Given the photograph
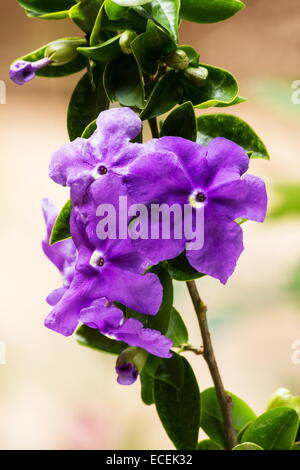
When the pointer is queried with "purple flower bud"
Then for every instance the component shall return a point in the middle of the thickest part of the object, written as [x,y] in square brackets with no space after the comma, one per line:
[127,373]
[23,71]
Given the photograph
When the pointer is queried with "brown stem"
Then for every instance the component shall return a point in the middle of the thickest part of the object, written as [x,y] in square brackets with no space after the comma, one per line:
[154,127]
[209,356]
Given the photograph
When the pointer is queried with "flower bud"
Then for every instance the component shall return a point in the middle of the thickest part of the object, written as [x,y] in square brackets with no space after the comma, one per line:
[125,41]
[178,60]
[63,51]
[196,75]
[23,71]
[129,363]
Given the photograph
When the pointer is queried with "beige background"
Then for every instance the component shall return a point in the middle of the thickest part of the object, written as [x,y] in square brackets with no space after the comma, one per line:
[55,394]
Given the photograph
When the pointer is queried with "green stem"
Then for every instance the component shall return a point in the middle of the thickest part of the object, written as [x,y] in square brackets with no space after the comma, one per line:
[224,400]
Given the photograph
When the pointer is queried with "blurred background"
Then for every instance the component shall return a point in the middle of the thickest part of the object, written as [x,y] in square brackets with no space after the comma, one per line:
[55,394]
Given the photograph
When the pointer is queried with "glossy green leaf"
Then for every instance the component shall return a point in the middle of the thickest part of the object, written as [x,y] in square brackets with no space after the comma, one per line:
[58,15]
[105,52]
[84,14]
[113,10]
[147,384]
[61,227]
[131,3]
[233,128]
[46,6]
[163,97]
[219,88]
[179,410]
[166,13]
[180,269]
[237,100]
[161,320]
[296,446]
[89,130]
[274,430]
[212,420]
[177,330]
[150,46]
[56,71]
[208,444]
[209,11]
[123,82]
[181,122]
[91,338]
[247,446]
[85,105]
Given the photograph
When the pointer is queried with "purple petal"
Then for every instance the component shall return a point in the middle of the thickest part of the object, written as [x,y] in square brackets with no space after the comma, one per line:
[55,296]
[21,72]
[127,374]
[102,315]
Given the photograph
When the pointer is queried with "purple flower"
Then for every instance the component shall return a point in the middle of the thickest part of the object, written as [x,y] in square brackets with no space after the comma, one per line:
[108,151]
[127,373]
[184,172]
[63,254]
[23,71]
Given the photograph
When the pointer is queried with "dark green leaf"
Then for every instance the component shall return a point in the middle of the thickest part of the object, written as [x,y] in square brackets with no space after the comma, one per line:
[91,338]
[233,128]
[105,52]
[74,66]
[147,383]
[274,430]
[166,13]
[46,6]
[114,11]
[84,14]
[85,105]
[181,122]
[177,330]
[220,87]
[212,420]
[247,446]
[208,444]
[180,269]
[150,46]
[179,410]
[171,371]
[61,228]
[161,320]
[123,82]
[209,11]
[163,97]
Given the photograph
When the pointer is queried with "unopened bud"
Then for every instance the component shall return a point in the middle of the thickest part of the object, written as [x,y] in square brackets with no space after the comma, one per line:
[196,75]
[125,41]
[129,363]
[178,60]
[63,51]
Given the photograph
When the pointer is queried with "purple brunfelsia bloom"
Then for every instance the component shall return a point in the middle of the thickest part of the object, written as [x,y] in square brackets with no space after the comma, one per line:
[127,373]
[184,172]
[23,71]
[108,151]
[110,320]
[63,254]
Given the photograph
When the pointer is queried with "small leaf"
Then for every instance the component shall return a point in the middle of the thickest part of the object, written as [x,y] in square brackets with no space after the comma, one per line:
[147,383]
[233,128]
[123,82]
[84,14]
[91,338]
[212,420]
[166,13]
[46,6]
[163,97]
[177,330]
[274,430]
[180,269]
[179,410]
[61,227]
[237,100]
[86,104]
[161,320]
[104,52]
[247,446]
[208,444]
[209,11]
[181,122]
[58,15]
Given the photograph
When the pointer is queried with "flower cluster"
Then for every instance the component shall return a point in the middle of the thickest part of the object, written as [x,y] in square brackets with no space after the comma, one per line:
[100,274]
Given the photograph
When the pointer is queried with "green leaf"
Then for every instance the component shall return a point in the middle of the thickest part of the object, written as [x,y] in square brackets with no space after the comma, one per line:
[58,15]
[283,397]
[84,14]
[46,6]
[91,338]
[113,11]
[237,100]
[274,430]
[163,97]
[55,71]
[131,3]
[212,420]
[150,46]
[287,202]
[181,122]
[105,52]
[166,13]
[209,11]
[177,330]
[179,410]
[85,105]
[147,383]
[296,446]
[170,371]
[123,82]
[233,128]
[89,130]
[220,88]
[208,444]
[180,269]
[161,320]
[61,227]
[247,446]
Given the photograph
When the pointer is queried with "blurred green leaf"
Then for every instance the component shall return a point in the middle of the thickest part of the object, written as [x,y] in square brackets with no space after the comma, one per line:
[104,52]
[84,14]
[288,196]
[89,130]
[46,6]
[91,338]
[113,11]
[61,227]
[180,269]
[181,122]
[247,446]
[283,397]
[233,128]
[209,11]
[208,444]
[58,15]
[237,100]
[177,330]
